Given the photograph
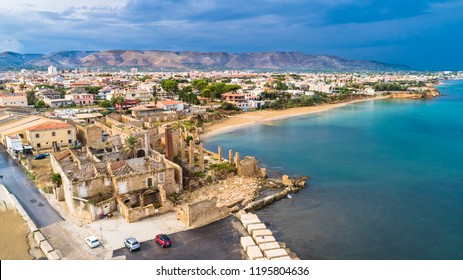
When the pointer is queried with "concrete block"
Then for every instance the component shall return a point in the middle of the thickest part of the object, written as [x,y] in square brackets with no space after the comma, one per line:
[46,247]
[53,256]
[264,239]
[246,241]
[253,227]
[261,259]
[30,224]
[271,254]
[38,236]
[269,246]
[254,252]
[285,258]
[248,216]
[261,232]
[250,222]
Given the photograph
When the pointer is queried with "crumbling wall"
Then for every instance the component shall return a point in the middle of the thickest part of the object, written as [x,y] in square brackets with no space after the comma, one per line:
[248,168]
[202,213]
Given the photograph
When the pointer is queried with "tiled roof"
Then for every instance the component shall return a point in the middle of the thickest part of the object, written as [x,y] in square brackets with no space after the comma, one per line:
[50,126]
[169,102]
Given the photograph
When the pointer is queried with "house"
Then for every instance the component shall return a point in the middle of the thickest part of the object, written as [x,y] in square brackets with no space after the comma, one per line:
[15,100]
[51,135]
[80,98]
[234,97]
[170,105]
[19,127]
[137,187]
[48,94]
[58,102]
[14,143]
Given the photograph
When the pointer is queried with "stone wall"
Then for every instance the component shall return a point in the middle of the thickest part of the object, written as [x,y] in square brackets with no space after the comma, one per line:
[138,213]
[248,168]
[202,213]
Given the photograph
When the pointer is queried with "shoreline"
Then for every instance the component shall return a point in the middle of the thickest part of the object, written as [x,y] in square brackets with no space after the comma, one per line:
[259,117]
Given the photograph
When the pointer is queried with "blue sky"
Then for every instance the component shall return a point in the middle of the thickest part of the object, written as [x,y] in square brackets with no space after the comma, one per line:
[423,34]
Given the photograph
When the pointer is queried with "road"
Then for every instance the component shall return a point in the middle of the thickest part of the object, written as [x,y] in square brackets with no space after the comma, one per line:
[19,184]
[217,241]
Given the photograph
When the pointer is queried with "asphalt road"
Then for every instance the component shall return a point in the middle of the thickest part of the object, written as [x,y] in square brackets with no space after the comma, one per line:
[19,184]
[217,241]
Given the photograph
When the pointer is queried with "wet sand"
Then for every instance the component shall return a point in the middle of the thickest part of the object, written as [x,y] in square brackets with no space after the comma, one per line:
[14,243]
[257,117]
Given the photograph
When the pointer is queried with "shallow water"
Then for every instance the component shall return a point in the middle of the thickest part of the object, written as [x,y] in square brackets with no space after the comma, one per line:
[386,178]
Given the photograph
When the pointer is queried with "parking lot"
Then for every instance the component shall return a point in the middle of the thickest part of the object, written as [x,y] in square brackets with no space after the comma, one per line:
[216,241]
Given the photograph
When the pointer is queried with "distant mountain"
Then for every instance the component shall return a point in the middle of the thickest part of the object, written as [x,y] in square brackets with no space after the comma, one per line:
[193,60]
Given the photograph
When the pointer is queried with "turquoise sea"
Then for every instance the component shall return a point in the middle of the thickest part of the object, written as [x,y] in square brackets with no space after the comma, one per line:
[386,178]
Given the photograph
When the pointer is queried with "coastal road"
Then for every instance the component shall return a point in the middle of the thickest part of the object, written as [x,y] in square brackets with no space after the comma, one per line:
[19,184]
[217,241]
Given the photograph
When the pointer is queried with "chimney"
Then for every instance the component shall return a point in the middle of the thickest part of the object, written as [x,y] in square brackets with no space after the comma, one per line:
[169,144]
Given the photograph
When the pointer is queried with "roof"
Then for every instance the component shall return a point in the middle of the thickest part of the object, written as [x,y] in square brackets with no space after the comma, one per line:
[169,102]
[50,126]
[233,94]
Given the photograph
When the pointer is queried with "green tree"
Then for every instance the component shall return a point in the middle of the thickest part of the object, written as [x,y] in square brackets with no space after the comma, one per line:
[170,87]
[93,89]
[106,104]
[117,100]
[39,104]
[31,98]
[129,150]
[199,85]
[56,179]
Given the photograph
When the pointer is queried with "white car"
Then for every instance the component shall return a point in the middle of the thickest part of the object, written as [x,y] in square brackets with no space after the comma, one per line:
[92,241]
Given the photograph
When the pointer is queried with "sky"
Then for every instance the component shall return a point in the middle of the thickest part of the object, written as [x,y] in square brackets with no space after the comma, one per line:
[426,35]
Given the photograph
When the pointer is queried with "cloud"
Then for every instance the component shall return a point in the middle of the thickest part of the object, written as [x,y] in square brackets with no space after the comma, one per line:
[11,45]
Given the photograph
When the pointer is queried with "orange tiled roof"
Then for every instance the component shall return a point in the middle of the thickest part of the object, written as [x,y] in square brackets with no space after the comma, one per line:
[49,126]
[169,102]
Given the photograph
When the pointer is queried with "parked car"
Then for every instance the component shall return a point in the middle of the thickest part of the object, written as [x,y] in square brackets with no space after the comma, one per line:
[163,240]
[92,241]
[41,156]
[131,243]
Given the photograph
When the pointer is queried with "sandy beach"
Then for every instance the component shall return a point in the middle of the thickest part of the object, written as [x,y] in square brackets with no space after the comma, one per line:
[257,117]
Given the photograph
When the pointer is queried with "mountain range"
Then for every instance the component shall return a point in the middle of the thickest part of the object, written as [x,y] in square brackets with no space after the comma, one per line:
[187,60]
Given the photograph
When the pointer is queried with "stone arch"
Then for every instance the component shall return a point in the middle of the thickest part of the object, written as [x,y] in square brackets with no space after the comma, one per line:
[141,153]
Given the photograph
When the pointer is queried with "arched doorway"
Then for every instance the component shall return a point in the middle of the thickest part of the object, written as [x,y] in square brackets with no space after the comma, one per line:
[141,153]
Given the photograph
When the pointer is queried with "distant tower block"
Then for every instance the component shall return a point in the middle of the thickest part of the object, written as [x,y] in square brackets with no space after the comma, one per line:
[201,157]
[237,159]
[230,157]
[169,144]
[192,155]
[220,153]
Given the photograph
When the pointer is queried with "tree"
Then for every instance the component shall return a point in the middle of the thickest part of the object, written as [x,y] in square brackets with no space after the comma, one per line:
[170,87]
[93,89]
[31,98]
[39,104]
[117,100]
[56,179]
[199,85]
[105,104]
[129,150]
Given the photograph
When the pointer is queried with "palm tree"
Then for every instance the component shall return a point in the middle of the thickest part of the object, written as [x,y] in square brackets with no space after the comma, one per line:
[130,147]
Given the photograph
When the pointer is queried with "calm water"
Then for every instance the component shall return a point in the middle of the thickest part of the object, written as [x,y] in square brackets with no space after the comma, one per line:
[386,178]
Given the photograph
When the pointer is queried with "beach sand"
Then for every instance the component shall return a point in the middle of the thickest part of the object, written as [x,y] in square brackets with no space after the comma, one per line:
[14,233]
[257,117]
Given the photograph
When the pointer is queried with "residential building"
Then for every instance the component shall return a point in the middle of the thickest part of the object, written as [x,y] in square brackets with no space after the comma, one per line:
[170,105]
[80,98]
[15,100]
[52,70]
[51,135]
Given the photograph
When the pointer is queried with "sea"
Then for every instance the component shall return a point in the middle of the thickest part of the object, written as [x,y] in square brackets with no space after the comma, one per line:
[386,178]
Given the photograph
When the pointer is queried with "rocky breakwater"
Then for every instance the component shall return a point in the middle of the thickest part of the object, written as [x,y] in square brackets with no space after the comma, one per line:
[418,93]
[288,186]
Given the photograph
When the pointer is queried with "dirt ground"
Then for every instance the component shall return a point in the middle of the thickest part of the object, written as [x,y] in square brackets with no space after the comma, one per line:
[227,191]
[16,242]
[42,171]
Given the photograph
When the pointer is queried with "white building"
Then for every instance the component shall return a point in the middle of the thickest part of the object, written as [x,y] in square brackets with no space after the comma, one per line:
[52,70]
[14,143]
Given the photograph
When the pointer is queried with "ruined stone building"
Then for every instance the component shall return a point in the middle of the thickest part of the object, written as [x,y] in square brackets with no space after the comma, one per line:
[94,185]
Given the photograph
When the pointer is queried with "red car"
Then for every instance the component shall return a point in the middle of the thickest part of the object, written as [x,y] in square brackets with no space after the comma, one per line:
[163,240]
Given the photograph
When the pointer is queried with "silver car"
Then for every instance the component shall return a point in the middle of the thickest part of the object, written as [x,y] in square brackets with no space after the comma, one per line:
[132,244]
